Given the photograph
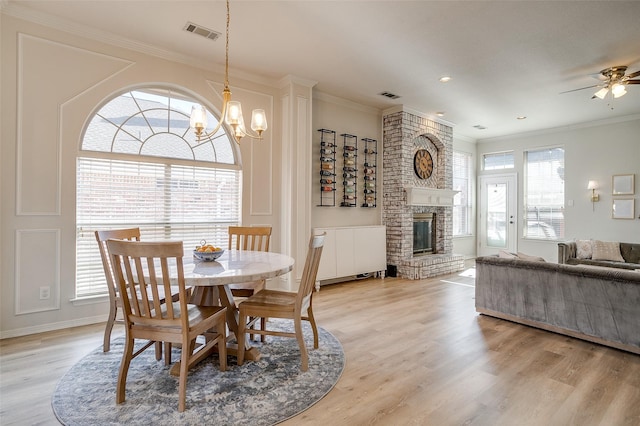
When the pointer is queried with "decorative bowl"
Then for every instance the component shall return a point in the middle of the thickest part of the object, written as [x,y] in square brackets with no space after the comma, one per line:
[207,256]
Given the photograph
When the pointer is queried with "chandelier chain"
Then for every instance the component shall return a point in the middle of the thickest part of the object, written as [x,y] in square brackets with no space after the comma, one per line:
[226,52]
[231,110]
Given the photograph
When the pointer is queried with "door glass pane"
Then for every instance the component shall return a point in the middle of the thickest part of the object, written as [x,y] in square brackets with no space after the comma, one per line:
[497,215]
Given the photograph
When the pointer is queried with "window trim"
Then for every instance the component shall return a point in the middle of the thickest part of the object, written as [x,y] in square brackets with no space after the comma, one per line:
[149,115]
[484,157]
[525,204]
[469,205]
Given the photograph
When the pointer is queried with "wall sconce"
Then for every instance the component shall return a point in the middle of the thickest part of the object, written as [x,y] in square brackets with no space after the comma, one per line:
[593,185]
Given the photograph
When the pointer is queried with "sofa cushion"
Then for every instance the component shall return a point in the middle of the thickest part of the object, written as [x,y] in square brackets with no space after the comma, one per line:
[506,255]
[630,252]
[584,249]
[603,250]
[523,256]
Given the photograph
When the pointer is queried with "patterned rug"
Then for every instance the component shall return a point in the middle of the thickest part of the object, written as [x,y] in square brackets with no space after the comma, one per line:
[265,392]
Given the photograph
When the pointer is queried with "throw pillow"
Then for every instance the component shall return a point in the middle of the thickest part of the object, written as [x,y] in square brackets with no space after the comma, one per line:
[506,255]
[523,256]
[584,249]
[603,250]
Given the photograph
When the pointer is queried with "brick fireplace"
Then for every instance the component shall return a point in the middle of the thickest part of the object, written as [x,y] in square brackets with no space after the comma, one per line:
[405,195]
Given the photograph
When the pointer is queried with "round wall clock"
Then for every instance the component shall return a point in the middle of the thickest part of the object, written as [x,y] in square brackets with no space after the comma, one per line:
[423,163]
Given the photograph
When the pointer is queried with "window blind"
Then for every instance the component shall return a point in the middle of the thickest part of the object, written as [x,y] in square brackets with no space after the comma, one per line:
[167,202]
[498,161]
[462,200]
[544,193]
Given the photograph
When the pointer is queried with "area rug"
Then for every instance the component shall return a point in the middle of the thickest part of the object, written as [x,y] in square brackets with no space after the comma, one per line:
[265,392]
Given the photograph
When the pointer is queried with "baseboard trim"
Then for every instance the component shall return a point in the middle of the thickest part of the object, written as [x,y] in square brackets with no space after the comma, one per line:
[51,327]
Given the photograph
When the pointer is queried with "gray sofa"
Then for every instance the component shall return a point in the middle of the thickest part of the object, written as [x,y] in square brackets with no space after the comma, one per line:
[567,253]
[601,305]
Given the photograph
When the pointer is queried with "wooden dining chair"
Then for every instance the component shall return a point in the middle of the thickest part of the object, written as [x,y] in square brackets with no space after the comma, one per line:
[145,268]
[282,304]
[130,234]
[255,238]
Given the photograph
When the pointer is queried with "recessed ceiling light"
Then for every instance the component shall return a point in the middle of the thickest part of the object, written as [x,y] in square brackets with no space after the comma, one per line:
[521,117]
[440,114]
[445,79]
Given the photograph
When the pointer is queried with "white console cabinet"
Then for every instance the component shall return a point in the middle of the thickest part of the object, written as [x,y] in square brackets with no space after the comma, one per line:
[350,251]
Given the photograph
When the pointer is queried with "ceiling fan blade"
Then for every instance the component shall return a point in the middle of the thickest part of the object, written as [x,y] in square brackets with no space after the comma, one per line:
[632,82]
[634,74]
[582,88]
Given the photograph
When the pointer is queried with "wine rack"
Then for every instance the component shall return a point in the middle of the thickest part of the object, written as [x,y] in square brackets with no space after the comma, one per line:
[327,168]
[349,170]
[370,172]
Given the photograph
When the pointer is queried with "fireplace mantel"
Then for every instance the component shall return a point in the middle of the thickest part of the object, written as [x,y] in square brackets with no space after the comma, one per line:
[430,197]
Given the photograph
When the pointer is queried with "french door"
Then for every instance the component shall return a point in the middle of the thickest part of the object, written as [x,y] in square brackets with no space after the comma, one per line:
[498,214]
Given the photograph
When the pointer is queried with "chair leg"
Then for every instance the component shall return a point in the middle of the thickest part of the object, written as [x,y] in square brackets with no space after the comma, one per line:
[304,357]
[158,349]
[222,344]
[312,320]
[124,369]
[251,335]
[167,353]
[263,326]
[113,310]
[242,329]
[184,369]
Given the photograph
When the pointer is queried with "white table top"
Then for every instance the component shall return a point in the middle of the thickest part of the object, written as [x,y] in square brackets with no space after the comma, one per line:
[235,266]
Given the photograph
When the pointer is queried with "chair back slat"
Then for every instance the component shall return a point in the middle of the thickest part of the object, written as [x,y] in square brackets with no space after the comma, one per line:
[140,268]
[254,238]
[132,234]
[310,271]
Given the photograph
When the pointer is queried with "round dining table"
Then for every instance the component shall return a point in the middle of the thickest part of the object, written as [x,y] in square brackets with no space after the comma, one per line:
[210,281]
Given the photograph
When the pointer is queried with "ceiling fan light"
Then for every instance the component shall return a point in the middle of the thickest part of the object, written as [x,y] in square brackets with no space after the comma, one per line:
[601,93]
[618,90]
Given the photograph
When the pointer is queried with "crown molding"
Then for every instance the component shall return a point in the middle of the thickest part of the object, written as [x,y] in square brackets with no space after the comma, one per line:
[322,96]
[576,126]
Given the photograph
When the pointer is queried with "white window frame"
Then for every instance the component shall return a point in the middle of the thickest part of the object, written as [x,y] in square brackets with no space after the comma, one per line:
[462,200]
[504,155]
[544,193]
[121,187]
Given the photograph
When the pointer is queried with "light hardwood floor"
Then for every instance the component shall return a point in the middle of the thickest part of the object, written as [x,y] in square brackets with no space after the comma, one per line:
[416,354]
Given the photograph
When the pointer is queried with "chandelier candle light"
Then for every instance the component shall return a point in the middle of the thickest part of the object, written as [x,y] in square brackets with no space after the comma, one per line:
[231,110]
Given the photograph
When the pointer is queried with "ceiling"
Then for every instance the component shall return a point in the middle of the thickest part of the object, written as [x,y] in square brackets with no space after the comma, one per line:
[505,58]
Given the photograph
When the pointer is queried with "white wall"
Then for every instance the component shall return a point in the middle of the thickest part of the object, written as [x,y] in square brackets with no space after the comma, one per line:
[52,81]
[592,152]
[344,116]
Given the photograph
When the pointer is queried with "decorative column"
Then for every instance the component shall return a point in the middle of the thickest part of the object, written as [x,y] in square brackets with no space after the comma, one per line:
[296,178]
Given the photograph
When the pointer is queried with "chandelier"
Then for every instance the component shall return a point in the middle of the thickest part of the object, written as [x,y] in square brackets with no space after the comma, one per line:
[231,110]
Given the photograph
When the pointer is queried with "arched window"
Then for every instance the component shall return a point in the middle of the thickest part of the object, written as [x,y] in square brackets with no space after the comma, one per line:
[141,166]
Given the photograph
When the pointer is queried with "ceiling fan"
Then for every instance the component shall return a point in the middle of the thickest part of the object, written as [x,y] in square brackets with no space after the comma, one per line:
[613,79]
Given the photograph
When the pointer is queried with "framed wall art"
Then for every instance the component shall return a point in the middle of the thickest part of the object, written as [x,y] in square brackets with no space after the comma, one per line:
[623,184]
[623,208]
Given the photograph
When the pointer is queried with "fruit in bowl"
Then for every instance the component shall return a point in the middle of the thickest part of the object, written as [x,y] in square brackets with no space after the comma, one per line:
[207,248]
[207,252]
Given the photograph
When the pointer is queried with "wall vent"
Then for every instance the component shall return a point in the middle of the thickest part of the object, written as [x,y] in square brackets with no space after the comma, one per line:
[389,95]
[202,31]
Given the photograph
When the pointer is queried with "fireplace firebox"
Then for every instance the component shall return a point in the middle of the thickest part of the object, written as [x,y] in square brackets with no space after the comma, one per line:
[424,233]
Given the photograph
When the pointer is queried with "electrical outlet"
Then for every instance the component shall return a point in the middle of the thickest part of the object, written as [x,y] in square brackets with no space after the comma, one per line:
[45,292]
